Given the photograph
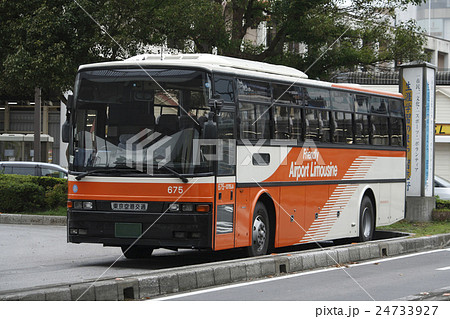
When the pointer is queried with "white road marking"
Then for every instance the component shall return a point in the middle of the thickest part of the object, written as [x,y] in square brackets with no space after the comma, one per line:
[444,268]
[377,261]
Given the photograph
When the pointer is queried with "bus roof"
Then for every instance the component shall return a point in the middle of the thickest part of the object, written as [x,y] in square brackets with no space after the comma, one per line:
[232,65]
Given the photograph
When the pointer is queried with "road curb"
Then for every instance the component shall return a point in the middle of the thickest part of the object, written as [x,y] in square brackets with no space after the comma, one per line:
[33,219]
[167,281]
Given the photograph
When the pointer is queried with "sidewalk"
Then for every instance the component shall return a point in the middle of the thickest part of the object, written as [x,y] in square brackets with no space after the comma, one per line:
[32,219]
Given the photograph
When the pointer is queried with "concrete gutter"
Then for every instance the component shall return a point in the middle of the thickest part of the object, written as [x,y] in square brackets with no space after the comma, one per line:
[183,279]
[32,219]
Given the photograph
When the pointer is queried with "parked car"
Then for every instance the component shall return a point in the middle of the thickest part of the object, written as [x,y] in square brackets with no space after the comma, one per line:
[441,188]
[33,168]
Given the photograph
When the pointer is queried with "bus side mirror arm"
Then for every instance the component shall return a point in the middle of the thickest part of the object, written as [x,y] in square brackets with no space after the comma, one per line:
[215,103]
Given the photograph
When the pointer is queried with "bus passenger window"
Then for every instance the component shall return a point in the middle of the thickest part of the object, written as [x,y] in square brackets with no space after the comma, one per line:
[317,125]
[396,131]
[380,131]
[317,97]
[262,121]
[343,128]
[361,104]
[312,125]
[361,129]
[282,122]
[247,116]
[378,105]
[295,118]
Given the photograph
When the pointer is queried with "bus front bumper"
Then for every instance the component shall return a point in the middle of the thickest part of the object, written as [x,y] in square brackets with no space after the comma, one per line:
[168,230]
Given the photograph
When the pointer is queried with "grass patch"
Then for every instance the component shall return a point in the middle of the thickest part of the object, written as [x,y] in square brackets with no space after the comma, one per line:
[420,228]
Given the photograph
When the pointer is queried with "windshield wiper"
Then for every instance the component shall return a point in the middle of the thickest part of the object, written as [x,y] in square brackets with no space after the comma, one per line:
[184,179]
[106,171]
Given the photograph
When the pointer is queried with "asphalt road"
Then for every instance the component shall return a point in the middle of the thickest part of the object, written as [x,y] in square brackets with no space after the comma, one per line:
[380,280]
[36,256]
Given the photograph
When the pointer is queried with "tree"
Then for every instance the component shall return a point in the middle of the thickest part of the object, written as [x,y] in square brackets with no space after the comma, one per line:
[44,41]
[336,36]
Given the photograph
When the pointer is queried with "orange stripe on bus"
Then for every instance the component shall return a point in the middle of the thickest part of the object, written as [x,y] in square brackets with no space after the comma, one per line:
[141,191]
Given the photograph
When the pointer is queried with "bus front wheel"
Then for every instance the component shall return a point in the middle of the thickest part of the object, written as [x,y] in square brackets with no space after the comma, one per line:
[366,220]
[260,231]
[137,252]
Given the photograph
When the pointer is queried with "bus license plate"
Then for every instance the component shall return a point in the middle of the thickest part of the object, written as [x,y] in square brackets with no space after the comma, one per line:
[127,230]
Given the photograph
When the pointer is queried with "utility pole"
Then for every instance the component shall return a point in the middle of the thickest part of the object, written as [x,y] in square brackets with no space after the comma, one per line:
[37,124]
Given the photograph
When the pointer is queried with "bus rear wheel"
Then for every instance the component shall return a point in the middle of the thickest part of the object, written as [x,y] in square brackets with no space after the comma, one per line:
[366,220]
[137,252]
[260,232]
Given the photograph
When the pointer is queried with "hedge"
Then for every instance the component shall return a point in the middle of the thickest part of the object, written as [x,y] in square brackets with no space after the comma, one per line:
[442,204]
[20,193]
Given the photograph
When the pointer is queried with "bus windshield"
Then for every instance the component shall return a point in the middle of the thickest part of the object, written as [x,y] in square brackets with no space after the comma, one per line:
[145,121]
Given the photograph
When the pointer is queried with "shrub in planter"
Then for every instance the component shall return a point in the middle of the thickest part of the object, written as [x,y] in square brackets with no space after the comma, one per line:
[21,193]
[57,196]
[442,211]
[18,196]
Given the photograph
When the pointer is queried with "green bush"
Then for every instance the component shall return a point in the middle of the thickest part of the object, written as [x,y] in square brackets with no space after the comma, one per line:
[57,196]
[19,193]
[442,204]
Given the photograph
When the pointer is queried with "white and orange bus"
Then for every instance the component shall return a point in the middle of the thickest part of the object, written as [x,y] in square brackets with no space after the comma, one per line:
[210,152]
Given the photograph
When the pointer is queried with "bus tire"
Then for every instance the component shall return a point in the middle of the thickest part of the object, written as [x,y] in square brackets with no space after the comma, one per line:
[260,231]
[137,252]
[366,220]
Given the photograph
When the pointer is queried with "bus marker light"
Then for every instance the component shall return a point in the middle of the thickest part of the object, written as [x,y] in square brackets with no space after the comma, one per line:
[187,207]
[88,205]
[78,205]
[202,208]
[69,204]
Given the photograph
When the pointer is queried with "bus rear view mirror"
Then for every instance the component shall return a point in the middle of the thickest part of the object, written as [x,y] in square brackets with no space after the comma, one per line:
[210,127]
[65,130]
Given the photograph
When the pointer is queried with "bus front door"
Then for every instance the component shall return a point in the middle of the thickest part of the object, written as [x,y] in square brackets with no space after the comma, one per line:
[225,213]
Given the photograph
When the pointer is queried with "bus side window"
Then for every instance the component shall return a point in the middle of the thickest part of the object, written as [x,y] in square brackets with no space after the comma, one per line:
[224,87]
[361,129]
[343,128]
[317,125]
[380,130]
[324,126]
[247,117]
[396,127]
[295,118]
[282,122]
[255,121]
[312,125]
